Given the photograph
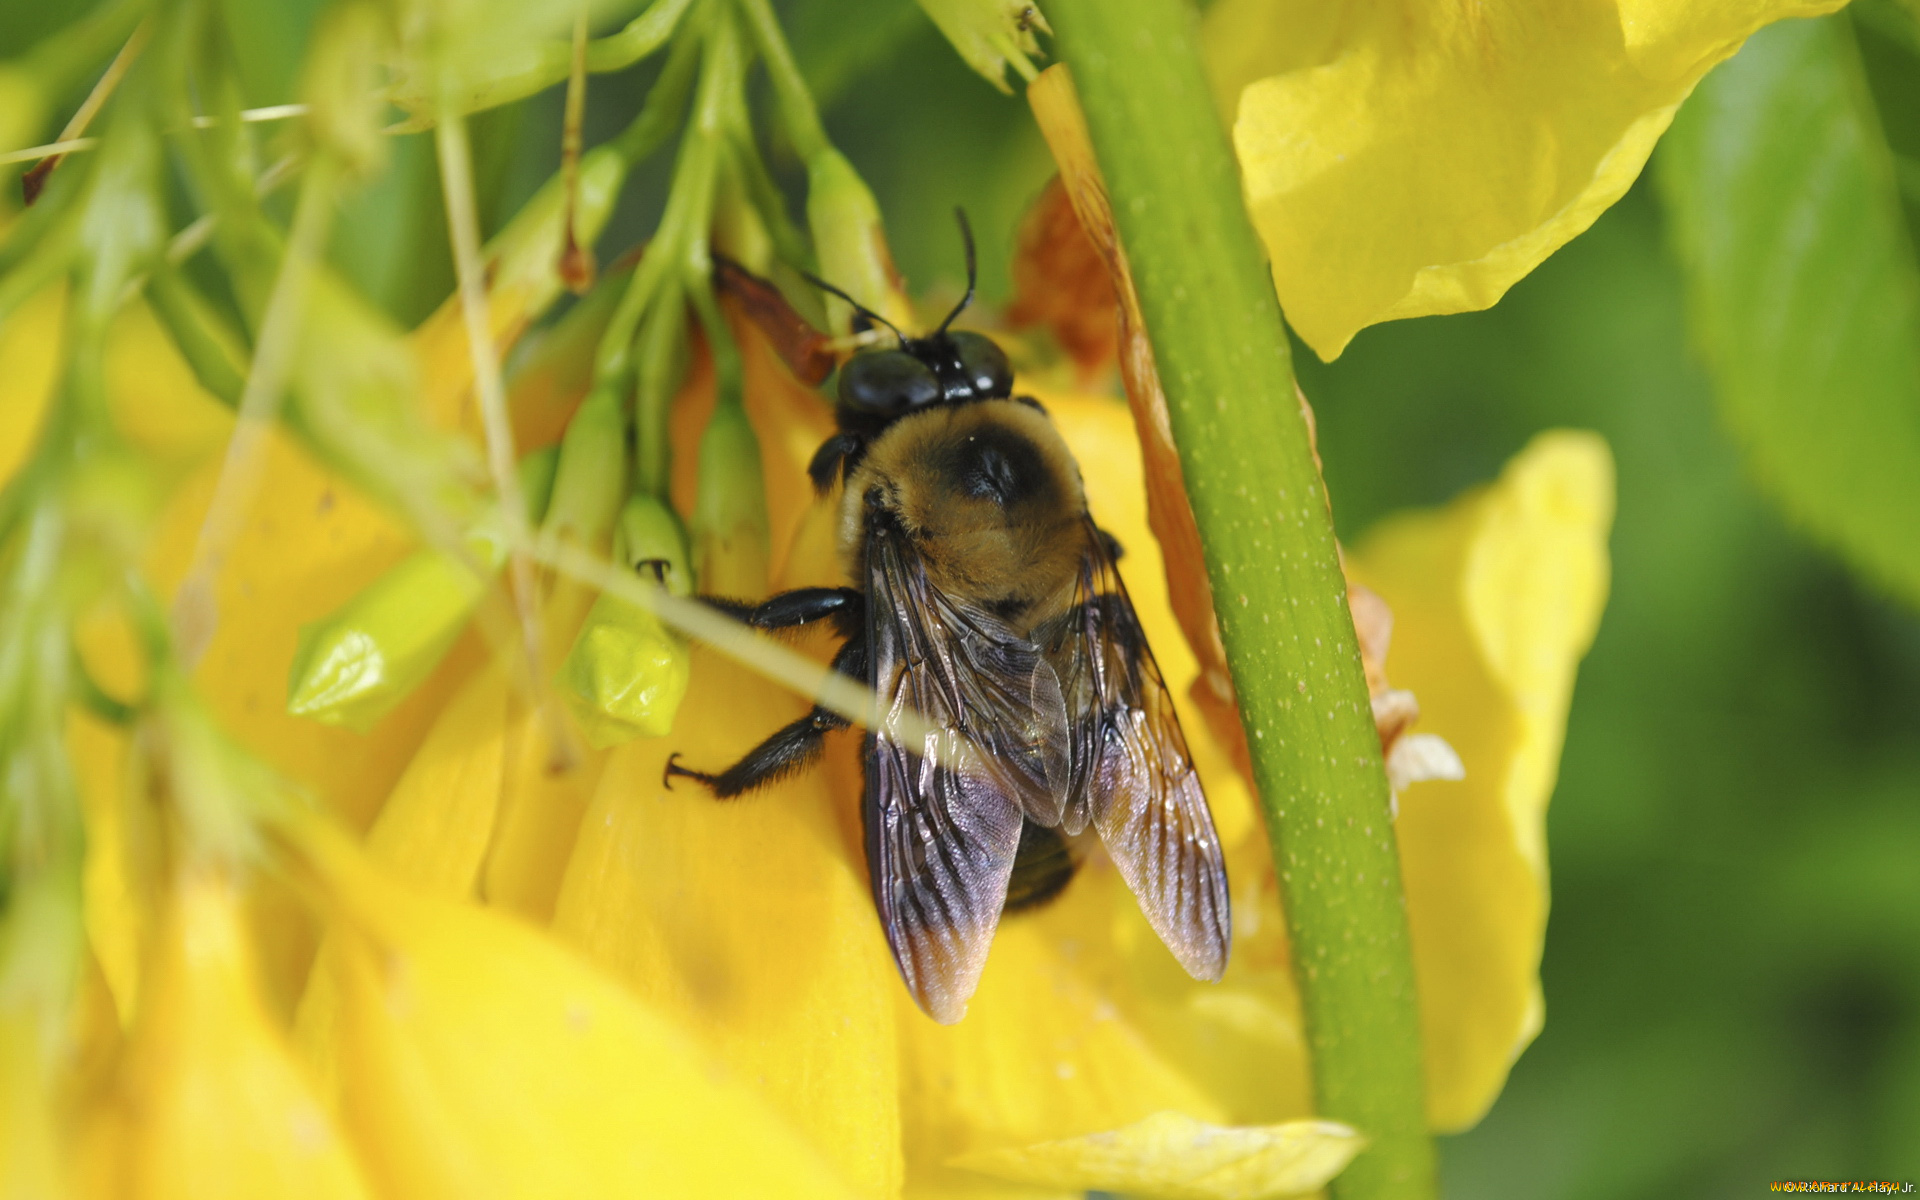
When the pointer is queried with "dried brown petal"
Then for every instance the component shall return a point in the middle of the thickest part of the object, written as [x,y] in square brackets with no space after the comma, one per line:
[1061,281]
[805,350]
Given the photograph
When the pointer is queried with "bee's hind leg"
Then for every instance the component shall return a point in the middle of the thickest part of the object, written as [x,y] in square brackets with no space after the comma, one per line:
[801,606]
[791,747]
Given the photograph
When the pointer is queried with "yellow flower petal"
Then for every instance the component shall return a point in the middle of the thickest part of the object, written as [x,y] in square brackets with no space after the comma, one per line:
[434,829]
[747,922]
[309,542]
[1039,1057]
[1404,158]
[30,1161]
[1496,598]
[433,832]
[157,402]
[1174,1156]
[210,1103]
[541,807]
[480,1060]
[151,391]
[116,877]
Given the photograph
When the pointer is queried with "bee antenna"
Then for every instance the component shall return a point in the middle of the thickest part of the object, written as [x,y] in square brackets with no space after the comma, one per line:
[858,307]
[966,238]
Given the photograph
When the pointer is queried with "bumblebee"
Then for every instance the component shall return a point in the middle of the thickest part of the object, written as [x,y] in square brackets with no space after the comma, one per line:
[986,601]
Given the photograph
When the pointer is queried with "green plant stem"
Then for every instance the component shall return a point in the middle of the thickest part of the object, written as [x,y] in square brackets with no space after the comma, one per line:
[642,36]
[676,259]
[797,109]
[1278,589]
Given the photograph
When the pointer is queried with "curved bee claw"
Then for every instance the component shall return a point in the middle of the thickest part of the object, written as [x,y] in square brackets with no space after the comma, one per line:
[674,768]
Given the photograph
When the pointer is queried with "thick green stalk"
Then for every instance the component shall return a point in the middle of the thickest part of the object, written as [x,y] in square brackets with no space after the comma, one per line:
[1222,355]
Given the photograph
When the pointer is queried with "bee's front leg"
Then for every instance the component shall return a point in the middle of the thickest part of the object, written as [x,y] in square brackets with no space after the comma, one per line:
[791,747]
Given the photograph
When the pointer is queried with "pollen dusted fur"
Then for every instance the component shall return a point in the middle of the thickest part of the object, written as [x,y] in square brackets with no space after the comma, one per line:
[990,496]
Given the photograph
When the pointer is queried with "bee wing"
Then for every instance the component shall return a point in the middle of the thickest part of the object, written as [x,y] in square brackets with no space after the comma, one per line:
[943,811]
[1132,777]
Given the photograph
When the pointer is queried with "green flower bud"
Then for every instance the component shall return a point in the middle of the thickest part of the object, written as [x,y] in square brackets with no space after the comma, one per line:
[627,673]
[551,368]
[523,258]
[649,538]
[356,664]
[991,35]
[661,356]
[592,473]
[537,472]
[352,667]
[852,245]
[730,510]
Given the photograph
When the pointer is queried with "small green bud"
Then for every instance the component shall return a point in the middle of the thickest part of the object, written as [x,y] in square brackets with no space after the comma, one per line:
[551,368]
[627,673]
[649,538]
[661,353]
[991,35]
[730,509]
[592,473]
[356,664]
[523,258]
[537,472]
[353,666]
[625,676]
[845,220]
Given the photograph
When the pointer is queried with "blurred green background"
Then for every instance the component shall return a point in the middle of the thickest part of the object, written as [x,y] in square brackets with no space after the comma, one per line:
[1732,967]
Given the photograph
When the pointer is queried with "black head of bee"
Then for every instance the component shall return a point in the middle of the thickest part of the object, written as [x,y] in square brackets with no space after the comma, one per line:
[945,367]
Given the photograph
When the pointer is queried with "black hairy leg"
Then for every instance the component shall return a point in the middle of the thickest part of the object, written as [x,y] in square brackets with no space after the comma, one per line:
[801,606]
[792,746]
[835,457]
[1043,866]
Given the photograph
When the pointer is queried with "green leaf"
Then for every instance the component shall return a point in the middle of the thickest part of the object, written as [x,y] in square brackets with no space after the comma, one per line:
[1783,192]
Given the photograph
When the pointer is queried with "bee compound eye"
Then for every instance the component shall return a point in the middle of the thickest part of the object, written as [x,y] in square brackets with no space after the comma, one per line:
[985,364]
[886,381]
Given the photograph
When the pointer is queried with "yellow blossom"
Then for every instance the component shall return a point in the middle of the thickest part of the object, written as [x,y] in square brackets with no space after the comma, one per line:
[478,1058]
[749,921]
[749,1034]
[210,1101]
[1403,158]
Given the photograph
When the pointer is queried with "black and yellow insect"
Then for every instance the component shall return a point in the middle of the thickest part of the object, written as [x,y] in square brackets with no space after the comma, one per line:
[985,600]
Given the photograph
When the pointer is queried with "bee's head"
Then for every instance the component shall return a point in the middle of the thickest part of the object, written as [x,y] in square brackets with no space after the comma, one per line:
[945,367]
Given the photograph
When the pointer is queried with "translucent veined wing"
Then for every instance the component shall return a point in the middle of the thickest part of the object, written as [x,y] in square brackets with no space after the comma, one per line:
[1131,777]
[943,811]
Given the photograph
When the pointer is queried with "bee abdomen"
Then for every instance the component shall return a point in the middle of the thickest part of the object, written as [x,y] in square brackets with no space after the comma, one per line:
[1043,866]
